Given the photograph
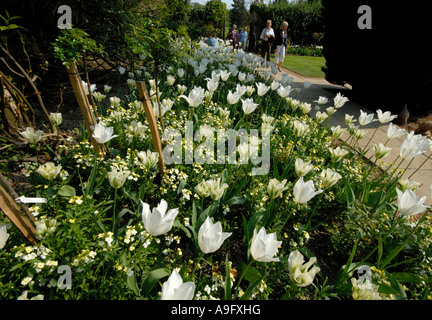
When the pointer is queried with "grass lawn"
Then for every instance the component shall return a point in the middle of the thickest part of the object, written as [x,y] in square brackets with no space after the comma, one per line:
[303,65]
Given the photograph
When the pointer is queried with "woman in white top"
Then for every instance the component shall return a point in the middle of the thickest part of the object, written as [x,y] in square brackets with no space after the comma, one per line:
[267,36]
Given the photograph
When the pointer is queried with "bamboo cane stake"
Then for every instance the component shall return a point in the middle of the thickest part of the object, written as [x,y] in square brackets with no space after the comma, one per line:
[142,90]
[12,211]
[82,100]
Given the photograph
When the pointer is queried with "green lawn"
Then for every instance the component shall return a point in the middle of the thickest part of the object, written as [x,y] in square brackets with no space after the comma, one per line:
[303,65]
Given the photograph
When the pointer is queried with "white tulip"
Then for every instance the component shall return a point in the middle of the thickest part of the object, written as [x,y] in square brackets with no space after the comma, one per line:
[321,116]
[196,97]
[216,189]
[114,102]
[117,177]
[338,131]
[175,289]
[302,168]
[262,88]
[49,170]
[180,73]
[307,84]
[409,204]
[248,105]
[299,128]
[365,290]
[329,177]
[264,246]
[233,98]
[321,100]
[181,89]
[211,237]
[158,221]
[56,118]
[103,134]
[304,191]
[241,90]
[85,85]
[148,159]
[4,235]
[365,119]
[305,107]
[385,117]
[337,154]
[381,151]
[339,100]
[276,187]
[299,271]
[275,85]
[284,92]
[412,147]
[31,135]
[170,80]
[224,75]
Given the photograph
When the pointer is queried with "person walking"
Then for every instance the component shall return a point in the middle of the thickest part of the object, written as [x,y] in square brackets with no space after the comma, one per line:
[267,37]
[243,38]
[232,35]
[281,44]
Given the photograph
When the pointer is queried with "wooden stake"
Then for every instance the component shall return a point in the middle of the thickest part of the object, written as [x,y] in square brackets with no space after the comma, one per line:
[157,144]
[82,100]
[12,211]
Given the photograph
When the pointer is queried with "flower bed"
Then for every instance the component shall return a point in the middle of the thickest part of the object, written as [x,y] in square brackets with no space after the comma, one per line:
[258,201]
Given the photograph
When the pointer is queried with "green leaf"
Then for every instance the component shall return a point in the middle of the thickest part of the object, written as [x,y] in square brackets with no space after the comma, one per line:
[407,277]
[235,200]
[152,278]
[182,227]
[181,186]
[227,286]
[132,284]
[67,191]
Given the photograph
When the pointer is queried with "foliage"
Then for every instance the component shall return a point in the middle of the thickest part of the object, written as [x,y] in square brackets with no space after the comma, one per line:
[73,44]
[215,14]
[95,227]
[311,51]
[239,15]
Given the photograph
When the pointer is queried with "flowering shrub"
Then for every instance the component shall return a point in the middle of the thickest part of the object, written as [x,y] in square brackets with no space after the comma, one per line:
[220,225]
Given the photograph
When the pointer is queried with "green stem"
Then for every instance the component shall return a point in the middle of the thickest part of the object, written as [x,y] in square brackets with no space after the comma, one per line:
[241,277]
[114,219]
[420,166]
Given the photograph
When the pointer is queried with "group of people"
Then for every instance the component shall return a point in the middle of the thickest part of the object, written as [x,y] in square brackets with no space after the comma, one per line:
[238,38]
[272,42]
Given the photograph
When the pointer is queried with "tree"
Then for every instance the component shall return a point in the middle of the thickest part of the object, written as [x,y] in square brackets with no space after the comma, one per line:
[239,15]
[215,15]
